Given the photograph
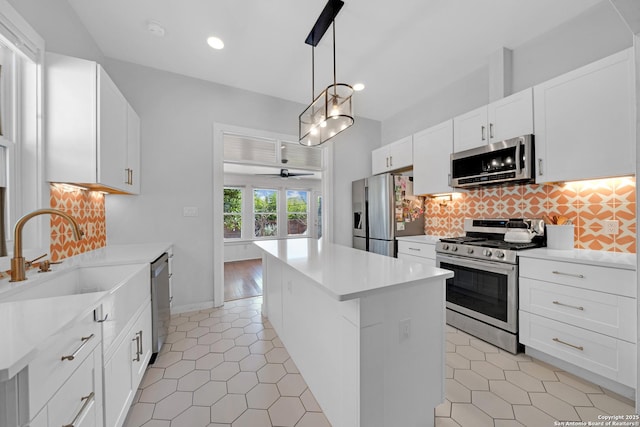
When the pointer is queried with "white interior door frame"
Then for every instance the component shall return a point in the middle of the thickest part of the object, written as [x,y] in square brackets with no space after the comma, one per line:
[217,162]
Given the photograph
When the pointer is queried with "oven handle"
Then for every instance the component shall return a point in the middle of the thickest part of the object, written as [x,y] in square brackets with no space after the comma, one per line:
[491,266]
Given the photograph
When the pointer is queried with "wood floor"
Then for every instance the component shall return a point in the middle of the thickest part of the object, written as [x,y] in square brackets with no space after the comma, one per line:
[242,279]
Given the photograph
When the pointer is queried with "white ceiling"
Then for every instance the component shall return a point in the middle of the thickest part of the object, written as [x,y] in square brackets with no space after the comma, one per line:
[403,51]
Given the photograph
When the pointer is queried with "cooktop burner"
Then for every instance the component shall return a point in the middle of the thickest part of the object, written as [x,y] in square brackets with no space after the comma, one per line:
[500,244]
[463,239]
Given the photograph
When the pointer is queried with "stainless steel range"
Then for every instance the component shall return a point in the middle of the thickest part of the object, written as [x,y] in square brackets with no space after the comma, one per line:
[482,297]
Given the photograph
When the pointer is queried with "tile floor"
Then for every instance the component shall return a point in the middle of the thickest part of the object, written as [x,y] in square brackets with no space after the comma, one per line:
[226,367]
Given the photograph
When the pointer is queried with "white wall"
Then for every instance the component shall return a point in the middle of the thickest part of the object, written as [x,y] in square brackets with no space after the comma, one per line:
[596,33]
[177,115]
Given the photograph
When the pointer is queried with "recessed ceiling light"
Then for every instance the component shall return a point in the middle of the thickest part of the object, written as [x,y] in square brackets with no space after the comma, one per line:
[155,28]
[358,87]
[215,43]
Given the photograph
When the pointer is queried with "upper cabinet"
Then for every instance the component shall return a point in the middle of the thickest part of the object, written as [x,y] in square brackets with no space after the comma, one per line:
[585,121]
[432,149]
[93,134]
[394,156]
[506,118]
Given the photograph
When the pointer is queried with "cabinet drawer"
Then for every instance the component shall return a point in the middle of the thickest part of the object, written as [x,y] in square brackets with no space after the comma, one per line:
[49,370]
[78,399]
[603,355]
[423,250]
[607,314]
[604,279]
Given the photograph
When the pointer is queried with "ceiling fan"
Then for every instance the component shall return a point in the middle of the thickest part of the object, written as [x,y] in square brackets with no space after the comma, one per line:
[284,173]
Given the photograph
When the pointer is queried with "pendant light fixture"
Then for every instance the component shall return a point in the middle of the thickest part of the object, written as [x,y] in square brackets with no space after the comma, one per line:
[331,112]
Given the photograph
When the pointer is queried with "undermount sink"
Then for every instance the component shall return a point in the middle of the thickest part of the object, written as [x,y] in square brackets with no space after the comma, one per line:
[81,280]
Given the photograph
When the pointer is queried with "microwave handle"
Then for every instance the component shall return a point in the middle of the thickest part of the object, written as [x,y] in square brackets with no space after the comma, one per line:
[518,168]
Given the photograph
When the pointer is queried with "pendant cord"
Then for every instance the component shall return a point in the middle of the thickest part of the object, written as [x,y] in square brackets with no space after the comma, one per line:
[334,57]
[313,69]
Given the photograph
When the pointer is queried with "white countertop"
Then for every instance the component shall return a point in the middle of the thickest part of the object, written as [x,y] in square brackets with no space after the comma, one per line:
[347,273]
[422,238]
[26,324]
[582,256]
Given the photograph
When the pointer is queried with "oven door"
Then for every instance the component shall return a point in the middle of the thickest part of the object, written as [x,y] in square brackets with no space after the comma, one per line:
[484,290]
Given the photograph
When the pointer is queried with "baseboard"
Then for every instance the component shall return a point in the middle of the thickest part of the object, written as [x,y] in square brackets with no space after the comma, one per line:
[178,309]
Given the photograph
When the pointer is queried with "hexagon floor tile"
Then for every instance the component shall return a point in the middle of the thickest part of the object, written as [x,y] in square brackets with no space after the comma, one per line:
[227,367]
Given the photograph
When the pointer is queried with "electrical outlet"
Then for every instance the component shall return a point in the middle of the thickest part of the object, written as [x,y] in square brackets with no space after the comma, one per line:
[610,226]
[190,211]
[404,330]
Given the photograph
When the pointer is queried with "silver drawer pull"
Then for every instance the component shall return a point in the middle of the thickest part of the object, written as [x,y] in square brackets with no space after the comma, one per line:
[84,340]
[579,276]
[87,401]
[103,320]
[137,340]
[567,305]
[414,249]
[579,347]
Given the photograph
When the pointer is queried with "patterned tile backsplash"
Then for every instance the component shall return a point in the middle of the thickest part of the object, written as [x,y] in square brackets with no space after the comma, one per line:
[586,203]
[88,208]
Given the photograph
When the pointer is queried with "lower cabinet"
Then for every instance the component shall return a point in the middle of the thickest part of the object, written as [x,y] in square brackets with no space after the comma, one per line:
[421,252]
[78,402]
[581,314]
[125,367]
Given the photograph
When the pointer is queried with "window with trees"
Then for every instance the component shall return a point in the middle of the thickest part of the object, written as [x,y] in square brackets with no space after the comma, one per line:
[232,213]
[265,212]
[297,212]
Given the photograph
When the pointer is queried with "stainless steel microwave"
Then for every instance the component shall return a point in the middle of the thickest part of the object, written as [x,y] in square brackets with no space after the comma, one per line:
[511,160]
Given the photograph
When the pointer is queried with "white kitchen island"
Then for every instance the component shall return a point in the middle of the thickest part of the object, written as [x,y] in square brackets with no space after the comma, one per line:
[365,330]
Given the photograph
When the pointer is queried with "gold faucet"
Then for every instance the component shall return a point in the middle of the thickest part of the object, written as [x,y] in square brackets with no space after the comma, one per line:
[18,261]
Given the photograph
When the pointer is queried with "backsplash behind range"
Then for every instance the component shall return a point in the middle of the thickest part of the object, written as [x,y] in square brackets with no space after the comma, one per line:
[586,203]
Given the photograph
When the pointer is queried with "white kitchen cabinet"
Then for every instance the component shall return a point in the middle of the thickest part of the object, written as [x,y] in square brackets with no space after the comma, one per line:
[421,252]
[581,314]
[124,369]
[132,178]
[432,150]
[89,127]
[585,121]
[506,118]
[394,156]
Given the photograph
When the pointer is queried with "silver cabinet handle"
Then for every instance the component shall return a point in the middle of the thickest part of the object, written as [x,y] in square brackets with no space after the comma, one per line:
[391,161]
[482,129]
[540,167]
[126,171]
[414,249]
[84,340]
[578,347]
[103,320]
[141,349]
[579,276]
[87,401]
[490,130]
[387,160]
[137,340]
[567,305]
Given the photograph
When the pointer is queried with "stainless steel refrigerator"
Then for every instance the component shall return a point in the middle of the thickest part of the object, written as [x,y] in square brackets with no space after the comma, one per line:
[384,208]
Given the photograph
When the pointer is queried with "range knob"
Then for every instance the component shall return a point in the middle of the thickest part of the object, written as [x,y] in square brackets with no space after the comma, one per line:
[445,246]
[500,254]
[454,248]
[486,253]
[469,251]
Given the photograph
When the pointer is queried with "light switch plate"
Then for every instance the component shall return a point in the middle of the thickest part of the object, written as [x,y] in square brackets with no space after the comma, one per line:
[189,211]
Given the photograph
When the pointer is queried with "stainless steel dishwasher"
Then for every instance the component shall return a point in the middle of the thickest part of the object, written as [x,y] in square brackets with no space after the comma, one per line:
[160,303]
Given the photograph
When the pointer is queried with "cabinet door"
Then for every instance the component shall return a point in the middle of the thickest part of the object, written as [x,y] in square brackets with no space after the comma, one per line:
[401,153]
[470,130]
[511,117]
[431,159]
[380,160]
[584,121]
[112,133]
[141,351]
[133,151]
[118,388]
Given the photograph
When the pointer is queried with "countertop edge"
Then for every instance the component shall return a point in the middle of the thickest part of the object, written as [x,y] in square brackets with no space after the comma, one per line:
[625,261]
[389,288]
